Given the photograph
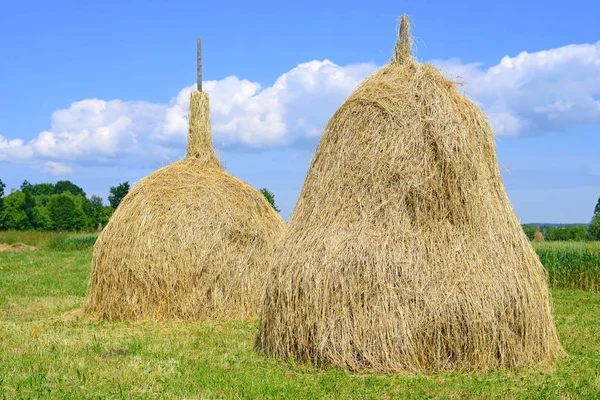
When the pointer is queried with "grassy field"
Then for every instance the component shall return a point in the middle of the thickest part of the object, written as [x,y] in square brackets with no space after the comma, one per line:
[31,238]
[571,265]
[48,351]
[50,240]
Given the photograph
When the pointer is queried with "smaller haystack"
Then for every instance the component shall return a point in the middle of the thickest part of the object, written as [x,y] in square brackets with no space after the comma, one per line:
[538,236]
[189,241]
[15,248]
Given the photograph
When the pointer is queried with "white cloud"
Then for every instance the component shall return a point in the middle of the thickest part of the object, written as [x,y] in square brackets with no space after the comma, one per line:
[55,168]
[535,93]
[243,113]
[531,93]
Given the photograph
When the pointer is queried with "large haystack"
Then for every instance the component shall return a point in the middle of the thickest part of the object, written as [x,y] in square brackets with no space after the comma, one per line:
[189,241]
[403,252]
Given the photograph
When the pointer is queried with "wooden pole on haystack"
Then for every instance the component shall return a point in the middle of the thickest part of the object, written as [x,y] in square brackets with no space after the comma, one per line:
[199,64]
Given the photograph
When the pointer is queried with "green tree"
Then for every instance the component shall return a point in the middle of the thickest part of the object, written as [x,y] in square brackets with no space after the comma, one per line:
[529,230]
[595,227]
[575,233]
[25,186]
[595,224]
[42,219]
[96,202]
[61,209]
[68,186]
[28,207]
[15,216]
[270,198]
[2,186]
[117,193]
[39,189]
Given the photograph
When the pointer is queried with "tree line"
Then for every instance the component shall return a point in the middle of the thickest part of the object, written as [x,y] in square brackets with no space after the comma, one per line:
[62,206]
[576,233]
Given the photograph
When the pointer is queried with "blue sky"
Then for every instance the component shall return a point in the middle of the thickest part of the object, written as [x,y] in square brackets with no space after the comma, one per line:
[96,92]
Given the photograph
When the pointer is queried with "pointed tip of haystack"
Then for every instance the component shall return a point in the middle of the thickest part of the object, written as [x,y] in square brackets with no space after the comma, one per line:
[402,50]
[199,135]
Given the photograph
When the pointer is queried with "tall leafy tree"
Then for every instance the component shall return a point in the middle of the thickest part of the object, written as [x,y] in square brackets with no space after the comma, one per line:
[2,186]
[96,202]
[117,193]
[68,186]
[39,189]
[28,207]
[270,198]
[25,186]
[61,209]
[15,216]
[595,224]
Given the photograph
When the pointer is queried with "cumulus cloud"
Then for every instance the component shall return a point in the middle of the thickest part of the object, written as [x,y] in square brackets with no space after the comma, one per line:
[531,93]
[535,93]
[243,113]
[55,168]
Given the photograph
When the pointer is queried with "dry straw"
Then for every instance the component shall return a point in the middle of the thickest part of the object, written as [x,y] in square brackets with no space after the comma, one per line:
[538,236]
[403,252]
[189,241]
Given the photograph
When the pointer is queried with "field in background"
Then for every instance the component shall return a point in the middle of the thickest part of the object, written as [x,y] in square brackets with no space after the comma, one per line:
[30,238]
[571,265]
[48,350]
[50,240]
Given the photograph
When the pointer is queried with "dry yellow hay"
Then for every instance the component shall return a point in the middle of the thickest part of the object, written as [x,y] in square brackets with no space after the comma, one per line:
[538,236]
[189,241]
[403,252]
[15,248]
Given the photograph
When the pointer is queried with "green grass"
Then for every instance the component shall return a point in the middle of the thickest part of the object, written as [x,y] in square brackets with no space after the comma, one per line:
[72,242]
[31,238]
[47,351]
[50,240]
[571,265]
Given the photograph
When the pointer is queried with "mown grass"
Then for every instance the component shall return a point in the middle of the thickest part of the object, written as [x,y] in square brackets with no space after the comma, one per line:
[47,351]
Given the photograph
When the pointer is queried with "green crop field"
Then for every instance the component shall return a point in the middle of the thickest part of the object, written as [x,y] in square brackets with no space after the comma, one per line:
[48,350]
[571,265]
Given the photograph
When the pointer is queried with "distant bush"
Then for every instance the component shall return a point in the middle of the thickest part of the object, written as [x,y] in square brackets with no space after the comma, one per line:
[73,242]
[529,230]
[573,233]
[566,233]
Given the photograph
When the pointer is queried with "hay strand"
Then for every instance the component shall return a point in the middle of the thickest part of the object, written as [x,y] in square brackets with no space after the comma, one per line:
[403,252]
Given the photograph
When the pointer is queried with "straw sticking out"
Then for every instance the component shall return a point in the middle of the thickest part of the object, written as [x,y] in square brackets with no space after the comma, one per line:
[199,135]
[404,44]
